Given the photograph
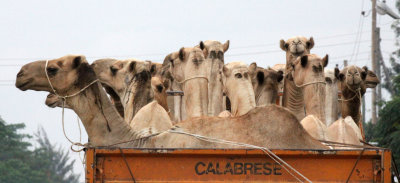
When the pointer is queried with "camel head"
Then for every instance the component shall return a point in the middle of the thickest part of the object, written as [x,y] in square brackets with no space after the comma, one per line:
[189,69]
[280,68]
[307,68]
[372,80]
[67,75]
[352,77]
[265,83]
[297,46]
[214,49]
[236,79]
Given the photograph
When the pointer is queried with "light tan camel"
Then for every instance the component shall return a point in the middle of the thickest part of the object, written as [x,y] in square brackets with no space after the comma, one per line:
[237,86]
[294,47]
[214,53]
[178,107]
[106,63]
[331,99]
[262,126]
[315,127]
[280,68]
[344,131]
[189,69]
[265,84]
[307,86]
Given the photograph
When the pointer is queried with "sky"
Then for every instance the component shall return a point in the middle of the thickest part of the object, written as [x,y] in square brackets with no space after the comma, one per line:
[149,30]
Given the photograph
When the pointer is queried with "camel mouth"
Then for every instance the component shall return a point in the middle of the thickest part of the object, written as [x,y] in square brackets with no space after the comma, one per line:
[22,85]
[52,104]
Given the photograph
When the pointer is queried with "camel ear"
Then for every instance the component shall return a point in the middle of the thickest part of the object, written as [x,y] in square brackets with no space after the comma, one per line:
[260,77]
[132,66]
[364,73]
[304,60]
[339,75]
[226,71]
[325,60]
[182,54]
[253,67]
[280,76]
[284,46]
[310,43]
[226,46]
[76,62]
[203,47]
[153,69]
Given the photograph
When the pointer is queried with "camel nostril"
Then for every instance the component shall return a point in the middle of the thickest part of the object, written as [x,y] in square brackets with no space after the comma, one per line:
[159,88]
[20,73]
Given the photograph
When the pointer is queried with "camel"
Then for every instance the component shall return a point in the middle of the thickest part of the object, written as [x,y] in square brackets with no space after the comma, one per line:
[280,68]
[237,86]
[214,54]
[294,47]
[265,84]
[352,81]
[372,80]
[344,131]
[331,99]
[307,86]
[72,75]
[188,69]
[52,100]
[178,108]
[315,127]
[106,63]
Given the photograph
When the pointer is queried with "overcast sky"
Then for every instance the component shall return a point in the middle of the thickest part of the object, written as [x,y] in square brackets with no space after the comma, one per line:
[33,30]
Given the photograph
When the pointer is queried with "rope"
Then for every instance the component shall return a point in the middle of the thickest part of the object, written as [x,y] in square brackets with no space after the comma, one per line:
[309,83]
[352,170]
[127,165]
[194,77]
[273,156]
[63,99]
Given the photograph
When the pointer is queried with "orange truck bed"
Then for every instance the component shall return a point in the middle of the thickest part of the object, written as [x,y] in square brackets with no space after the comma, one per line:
[235,165]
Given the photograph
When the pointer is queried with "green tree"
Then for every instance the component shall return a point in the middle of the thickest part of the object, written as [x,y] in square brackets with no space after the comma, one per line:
[44,164]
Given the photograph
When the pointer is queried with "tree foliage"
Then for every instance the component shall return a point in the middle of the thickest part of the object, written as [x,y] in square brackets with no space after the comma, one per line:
[45,163]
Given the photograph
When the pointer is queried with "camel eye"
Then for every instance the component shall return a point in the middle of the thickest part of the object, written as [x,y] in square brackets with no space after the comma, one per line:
[52,71]
[238,75]
[113,70]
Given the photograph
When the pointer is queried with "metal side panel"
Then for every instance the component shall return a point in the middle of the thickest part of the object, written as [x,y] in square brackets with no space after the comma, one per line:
[235,165]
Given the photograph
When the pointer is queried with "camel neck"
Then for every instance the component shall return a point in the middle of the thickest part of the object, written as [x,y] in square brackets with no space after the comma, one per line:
[215,95]
[242,101]
[351,105]
[331,103]
[293,99]
[139,94]
[102,122]
[195,97]
[314,96]
[264,96]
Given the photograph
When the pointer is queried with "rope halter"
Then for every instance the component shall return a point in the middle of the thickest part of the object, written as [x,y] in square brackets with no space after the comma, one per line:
[194,77]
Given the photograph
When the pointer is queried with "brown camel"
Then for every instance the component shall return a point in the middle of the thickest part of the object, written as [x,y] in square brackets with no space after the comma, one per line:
[265,84]
[72,74]
[352,85]
[237,86]
[189,69]
[294,47]
[307,86]
[214,53]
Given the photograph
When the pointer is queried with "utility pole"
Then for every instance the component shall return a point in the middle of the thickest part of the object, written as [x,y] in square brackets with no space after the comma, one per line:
[345,63]
[378,66]
[373,59]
